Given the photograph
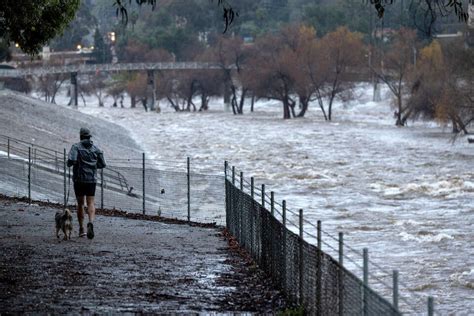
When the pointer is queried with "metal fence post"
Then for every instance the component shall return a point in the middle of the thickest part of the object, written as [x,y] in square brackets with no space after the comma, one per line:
[283,220]
[274,264]
[65,178]
[102,189]
[430,306]
[319,274]
[252,217]
[301,261]
[341,273]
[263,195]
[272,203]
[395,289]
[241,209]
[233,175]
[241,181]
[29,175]
[188,162]
[227,220]
[252,187]
[341,248]
[319,234]
[8,147]
[365,266]
[143,181]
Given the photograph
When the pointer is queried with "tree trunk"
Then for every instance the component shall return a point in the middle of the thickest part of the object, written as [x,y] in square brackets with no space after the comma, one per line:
[406,116]
[227,96]
[204,102]
[455,126]
[458,125]
[173,104]
[330,107]
[242,101]
[133,101]
[236,109]
[304,103]
[252,102]
[234,105]
[399,121]
[82,97]
[292,104]
[286,109]
[321,104]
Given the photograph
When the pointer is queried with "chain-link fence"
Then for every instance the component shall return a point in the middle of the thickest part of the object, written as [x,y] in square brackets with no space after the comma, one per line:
[195,191]
[309,276]
[173,189]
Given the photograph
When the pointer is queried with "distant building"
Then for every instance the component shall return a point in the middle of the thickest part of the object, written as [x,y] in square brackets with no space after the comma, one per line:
[82,56]
[447,37]
[385,34]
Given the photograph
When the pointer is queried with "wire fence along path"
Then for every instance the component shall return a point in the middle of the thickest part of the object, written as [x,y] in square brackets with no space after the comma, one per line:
[308,276]
[170,189]
[200,193]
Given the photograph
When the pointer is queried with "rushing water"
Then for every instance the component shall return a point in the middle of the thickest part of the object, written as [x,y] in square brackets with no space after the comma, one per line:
[405,193]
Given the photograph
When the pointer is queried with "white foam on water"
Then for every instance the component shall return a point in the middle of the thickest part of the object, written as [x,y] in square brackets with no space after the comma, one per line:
[425,237]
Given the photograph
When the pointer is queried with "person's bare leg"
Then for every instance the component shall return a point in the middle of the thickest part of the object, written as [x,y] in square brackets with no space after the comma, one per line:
[91,208]
[80,213]
[91,213]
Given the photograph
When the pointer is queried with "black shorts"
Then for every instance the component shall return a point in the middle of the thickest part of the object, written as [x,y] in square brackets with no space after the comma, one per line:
[82,188]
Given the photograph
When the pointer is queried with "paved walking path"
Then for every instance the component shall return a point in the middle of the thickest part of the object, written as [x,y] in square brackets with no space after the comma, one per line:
[130,266]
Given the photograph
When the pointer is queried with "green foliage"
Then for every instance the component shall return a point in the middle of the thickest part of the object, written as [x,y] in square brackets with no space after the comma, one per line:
[5,53]
[167,28]
[102,52]
[80,27]
[32,24]
[297,311]
[327,17]
[324,18]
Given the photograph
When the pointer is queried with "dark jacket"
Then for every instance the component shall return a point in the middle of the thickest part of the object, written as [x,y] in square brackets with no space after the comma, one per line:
[86,159]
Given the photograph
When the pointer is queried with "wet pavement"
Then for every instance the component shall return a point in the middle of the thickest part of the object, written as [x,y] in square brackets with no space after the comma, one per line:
[131,266]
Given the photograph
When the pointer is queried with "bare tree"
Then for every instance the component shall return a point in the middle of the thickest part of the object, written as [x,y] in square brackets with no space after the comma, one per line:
[97,86]
[442,86]
[136,87]
[340,52]
[395,68]
[209,85]
[116,91]
[230,54]
[272,77]
[49,86]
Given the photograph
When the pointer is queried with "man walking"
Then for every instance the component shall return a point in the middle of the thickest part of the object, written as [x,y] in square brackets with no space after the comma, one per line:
[85,158]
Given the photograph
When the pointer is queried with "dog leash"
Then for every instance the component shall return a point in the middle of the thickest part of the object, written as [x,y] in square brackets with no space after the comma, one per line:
[69,186]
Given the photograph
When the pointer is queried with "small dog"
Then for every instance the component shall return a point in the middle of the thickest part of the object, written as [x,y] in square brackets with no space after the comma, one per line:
[64,223]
